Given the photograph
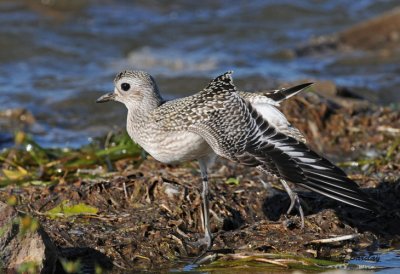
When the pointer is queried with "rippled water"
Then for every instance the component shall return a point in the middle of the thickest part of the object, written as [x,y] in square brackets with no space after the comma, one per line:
[58,56]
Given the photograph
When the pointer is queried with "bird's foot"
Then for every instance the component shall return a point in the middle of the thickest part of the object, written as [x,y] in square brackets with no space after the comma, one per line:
[205,241]
[204,245]
[295,201]
[292,222]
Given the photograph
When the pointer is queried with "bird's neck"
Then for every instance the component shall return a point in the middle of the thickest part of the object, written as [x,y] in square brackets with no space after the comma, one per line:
[139,121]
[139,109]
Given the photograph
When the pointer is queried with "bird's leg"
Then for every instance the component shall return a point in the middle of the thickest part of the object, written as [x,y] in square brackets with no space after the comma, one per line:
[207,239]
[294,200]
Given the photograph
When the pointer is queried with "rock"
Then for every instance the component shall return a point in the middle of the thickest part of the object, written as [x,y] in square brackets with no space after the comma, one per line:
[339,97]
[318,45]
[24,244]
[381,32]
[325,88]
[20,115]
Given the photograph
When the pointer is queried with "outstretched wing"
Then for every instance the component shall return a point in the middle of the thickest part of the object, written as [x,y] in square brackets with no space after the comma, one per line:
[238,132]
[292,160]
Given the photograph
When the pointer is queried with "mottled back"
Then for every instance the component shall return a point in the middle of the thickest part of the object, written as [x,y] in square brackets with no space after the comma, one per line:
[217,113]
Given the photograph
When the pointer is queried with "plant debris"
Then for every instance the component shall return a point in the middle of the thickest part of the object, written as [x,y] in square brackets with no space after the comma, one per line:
[140,214]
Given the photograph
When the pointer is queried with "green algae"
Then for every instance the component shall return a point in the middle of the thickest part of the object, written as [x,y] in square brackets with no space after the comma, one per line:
[29,163]
[267,262]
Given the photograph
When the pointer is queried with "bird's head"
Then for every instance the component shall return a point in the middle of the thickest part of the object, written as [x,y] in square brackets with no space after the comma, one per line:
[133,88]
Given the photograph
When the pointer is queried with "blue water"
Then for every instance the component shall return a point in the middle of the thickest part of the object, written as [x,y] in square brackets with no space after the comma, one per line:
[379,262]
[58,56]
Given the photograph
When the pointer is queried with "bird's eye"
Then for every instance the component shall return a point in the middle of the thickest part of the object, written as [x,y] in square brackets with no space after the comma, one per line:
[125,86]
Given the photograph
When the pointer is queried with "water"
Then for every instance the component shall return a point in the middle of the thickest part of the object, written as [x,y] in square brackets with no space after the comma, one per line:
[364,263]
[389,262]
[58,56]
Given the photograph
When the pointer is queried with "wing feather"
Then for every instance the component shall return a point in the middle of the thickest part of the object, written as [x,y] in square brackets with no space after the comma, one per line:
[299,164]
[238,132]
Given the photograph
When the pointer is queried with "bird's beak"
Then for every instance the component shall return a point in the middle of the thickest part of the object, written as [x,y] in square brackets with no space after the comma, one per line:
[106,97]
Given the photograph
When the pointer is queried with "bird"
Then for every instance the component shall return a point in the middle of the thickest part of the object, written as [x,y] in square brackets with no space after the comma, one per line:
[246,128]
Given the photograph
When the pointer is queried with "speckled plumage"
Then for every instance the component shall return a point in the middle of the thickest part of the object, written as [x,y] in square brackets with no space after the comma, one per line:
[218,117]
[234,125]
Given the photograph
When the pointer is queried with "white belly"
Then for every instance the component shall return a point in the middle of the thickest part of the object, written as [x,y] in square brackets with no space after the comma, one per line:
[177,147]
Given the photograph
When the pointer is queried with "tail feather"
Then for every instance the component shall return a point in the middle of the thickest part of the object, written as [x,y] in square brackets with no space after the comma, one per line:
[335,188]
[327,179]
[285,93]
[362,202]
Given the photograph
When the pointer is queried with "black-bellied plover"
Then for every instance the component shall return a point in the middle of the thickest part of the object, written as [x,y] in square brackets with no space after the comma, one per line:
[242,127]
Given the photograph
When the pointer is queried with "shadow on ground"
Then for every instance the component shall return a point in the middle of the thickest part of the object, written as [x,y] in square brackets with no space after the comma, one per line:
[386,222]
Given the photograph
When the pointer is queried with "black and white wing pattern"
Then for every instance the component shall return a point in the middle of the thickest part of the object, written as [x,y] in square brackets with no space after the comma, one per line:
[292,160]
[238,132]
[266,103]
[273,97]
